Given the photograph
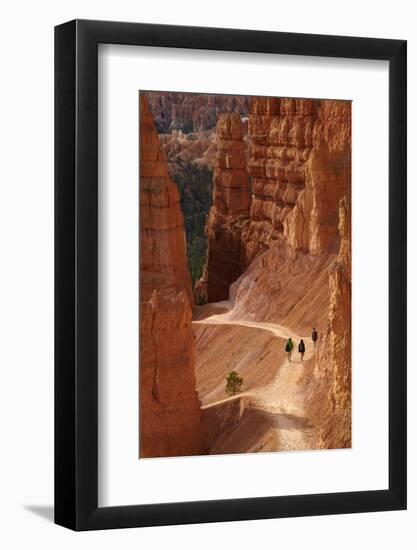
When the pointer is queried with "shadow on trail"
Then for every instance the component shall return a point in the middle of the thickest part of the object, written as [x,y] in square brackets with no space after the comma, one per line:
[286,421]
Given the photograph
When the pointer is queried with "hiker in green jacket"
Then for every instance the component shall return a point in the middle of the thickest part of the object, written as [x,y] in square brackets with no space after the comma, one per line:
[289,347]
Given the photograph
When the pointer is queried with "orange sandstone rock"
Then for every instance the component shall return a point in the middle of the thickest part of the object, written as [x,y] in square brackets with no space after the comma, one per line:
[170,418]
[281,132]
[312,226]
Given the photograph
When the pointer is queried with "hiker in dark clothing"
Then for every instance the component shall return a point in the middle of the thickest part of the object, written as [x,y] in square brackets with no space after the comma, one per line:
[301,349]
[314,336]
[289,347]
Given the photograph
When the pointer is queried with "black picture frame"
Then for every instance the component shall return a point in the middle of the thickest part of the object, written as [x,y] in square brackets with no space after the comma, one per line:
[76,272]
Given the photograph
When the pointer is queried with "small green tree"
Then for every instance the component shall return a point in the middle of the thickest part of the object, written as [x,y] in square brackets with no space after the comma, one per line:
[233,383]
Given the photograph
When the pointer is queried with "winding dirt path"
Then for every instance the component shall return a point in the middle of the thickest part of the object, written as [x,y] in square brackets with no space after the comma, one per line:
[280,402]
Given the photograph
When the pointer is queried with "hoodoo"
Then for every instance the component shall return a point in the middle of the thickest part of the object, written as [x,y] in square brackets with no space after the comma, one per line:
[172,423]
[229,213]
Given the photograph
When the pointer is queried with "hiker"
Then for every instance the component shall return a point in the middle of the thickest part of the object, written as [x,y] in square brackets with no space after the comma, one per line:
[314,337]
[289,347]
[301,349]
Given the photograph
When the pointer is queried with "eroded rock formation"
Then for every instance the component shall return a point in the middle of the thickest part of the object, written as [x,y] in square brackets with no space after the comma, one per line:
[300,165]
[281,134]
[300,169]
[230,211]
[190,112]
[170,419]
[312,226]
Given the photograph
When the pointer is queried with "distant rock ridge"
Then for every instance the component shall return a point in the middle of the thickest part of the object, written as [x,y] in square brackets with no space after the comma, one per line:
[170,419]
[197,147]
[192,112]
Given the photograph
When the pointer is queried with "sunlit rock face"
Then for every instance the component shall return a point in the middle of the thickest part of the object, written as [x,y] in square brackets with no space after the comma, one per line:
[313,225]
[300,168]
[170,419]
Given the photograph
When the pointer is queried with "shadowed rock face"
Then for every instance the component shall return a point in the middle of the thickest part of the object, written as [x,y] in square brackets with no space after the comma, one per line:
[170,419]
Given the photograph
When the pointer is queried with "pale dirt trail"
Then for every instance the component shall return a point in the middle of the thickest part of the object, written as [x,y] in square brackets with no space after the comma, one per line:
[281,401]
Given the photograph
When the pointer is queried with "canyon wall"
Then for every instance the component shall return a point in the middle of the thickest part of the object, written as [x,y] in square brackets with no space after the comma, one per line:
[281,135]
[229,213]
[299,167]
[313,225]
[170,417]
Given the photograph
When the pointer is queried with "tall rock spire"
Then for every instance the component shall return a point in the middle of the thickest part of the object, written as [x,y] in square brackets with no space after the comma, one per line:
[170,417]
[230,210]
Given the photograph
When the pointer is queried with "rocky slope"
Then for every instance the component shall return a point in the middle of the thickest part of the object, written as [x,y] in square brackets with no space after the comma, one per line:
[170,419]
[229,213]
[268,414]
[199,147]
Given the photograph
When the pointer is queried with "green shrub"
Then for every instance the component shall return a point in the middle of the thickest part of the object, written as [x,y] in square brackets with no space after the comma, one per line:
[233,383]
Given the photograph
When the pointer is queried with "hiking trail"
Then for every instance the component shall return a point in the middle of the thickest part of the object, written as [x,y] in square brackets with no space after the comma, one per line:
[280,402]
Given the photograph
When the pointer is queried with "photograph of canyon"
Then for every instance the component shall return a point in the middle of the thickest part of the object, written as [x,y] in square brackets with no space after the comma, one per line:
[245,274]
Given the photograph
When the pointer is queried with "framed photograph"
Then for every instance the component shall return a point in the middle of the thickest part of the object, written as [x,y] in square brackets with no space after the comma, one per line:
[230,252]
